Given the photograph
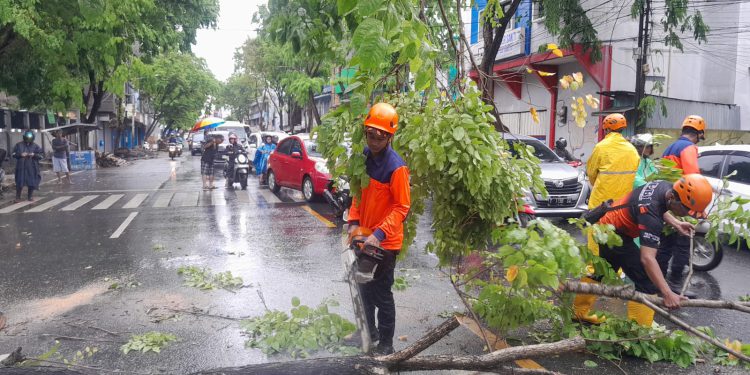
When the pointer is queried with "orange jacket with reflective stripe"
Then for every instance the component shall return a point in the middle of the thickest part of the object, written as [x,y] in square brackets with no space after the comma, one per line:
[385,202]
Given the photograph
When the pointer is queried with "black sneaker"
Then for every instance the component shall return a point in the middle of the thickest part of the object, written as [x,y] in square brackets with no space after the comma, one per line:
[381,350]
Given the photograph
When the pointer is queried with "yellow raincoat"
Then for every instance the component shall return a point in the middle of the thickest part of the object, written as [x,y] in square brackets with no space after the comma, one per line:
[611,169]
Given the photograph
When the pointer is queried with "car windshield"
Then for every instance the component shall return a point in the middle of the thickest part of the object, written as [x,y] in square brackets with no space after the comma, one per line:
[312,148]
[541,151]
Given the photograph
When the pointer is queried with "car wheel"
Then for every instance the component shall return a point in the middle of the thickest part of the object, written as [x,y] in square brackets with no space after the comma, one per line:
[706,255]
[272,182]
[525,218]
[308,190]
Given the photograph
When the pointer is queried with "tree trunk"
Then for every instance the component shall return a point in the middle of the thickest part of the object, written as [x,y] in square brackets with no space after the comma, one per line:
[314,108]
[98,95]
[119,123]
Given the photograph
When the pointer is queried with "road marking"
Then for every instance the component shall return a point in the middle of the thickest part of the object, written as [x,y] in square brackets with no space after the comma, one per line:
[54,179]
[124,225]
[186,199]
[105,204]
[217,198]
[497,342]
[163,200]
[297,196]
[269,196]
[136,201]
[15,206]
[77,204]
[49,204]
[325,221]
[243,196]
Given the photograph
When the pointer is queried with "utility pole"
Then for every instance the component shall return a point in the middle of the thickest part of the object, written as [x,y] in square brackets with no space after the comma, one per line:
[644,39]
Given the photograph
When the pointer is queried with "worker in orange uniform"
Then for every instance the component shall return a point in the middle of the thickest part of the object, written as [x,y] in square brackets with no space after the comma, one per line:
[382,208]
[676,247]
[611,171]
[643,214]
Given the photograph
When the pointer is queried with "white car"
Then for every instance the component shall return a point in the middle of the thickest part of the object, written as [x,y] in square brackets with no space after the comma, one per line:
[717,162]
[256,140]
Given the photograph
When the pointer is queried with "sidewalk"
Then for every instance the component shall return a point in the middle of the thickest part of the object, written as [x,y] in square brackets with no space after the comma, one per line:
[49,177]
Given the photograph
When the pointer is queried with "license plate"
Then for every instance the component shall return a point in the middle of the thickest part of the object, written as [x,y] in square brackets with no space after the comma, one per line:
[560,201]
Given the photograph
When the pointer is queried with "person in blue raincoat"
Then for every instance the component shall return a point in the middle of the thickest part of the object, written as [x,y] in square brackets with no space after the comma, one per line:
[261,158]
[27,155]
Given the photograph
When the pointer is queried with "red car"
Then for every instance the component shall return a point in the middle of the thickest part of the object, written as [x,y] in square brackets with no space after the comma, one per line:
[296,164]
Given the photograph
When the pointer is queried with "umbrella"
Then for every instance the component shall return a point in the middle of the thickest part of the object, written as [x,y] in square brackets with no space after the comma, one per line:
[207,123]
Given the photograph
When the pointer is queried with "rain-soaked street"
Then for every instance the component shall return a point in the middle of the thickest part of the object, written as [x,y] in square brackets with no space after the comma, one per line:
[134,226]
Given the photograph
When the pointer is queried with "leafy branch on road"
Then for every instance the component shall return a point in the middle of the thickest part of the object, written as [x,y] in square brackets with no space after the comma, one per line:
[303,331]
[204,279]
[148,342]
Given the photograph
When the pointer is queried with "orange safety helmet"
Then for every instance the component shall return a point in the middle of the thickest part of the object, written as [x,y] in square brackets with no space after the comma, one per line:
[615,121]
[695,122]
[695,193]
[384,117]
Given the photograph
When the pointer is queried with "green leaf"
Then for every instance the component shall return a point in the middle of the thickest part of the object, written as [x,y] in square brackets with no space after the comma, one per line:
[590,364]
[295,301]
[370,44]
[345,6]
[459,133]
[366,8]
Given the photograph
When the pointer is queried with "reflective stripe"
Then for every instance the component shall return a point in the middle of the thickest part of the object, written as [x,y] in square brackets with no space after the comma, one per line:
[623,172]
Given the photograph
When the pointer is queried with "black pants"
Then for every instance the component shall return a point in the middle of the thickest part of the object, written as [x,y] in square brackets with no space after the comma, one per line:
[377,294]
[676,247]
[628,257]
[20,188]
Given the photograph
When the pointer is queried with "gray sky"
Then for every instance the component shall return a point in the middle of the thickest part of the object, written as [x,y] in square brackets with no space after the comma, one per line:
[234,27]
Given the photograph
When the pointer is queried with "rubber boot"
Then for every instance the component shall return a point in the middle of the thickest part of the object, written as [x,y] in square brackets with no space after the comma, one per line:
[641,313]
[583,303]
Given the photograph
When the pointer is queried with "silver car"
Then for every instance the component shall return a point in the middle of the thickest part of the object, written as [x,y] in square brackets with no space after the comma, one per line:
[567,188]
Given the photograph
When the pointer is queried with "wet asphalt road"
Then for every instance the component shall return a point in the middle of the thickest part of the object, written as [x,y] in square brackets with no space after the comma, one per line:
[57,265]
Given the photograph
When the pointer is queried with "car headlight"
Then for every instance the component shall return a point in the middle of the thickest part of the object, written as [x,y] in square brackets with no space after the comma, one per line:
[321,167]
[581,176]
[242,159]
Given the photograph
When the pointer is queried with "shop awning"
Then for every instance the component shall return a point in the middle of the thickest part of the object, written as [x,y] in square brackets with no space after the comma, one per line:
[610,111]
[72,128]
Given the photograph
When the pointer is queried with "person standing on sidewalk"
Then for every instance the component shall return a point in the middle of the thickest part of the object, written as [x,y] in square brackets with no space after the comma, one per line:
[611,170]
[675,246]
[60,157]
[207,161]
[382,208]
[27,155]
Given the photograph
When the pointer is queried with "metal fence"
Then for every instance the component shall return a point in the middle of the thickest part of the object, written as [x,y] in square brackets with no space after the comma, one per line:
[717,116]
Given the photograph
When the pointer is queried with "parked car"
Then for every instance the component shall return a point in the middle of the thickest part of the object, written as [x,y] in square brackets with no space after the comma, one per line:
[567,187]
[195,141]
[297,164]
[718,162]
[256,140]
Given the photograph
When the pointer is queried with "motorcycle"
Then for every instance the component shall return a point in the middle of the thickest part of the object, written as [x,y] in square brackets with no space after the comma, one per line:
[179,149]
[172,150]
[240,171]
[339,197]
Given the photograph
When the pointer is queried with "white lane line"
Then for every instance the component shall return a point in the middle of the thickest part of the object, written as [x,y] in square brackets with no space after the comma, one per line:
[14,207]
[49,204]
[163,200]
[269,196]
[77,204]
[217,198]
[296,196]
[124,225]
[136,201]
[243,197]
[105,204]
[185,199]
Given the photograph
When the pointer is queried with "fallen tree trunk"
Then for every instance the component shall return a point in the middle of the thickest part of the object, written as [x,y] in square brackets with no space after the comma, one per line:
[377,365]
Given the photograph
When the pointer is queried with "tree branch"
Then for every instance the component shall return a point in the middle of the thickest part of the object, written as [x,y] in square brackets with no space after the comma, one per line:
[490,361]
[433,336]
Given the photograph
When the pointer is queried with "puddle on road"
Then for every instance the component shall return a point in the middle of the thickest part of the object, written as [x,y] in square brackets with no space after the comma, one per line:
[53,306]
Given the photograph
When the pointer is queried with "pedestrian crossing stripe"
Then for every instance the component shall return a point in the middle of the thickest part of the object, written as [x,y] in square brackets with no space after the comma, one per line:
[155,200]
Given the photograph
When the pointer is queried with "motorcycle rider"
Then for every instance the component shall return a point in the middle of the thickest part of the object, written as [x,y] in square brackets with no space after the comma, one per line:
[561,149]
[644,144]
[28,173]
[643,215]
[232,150]
[382,208]
[611,171]
[684,152]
